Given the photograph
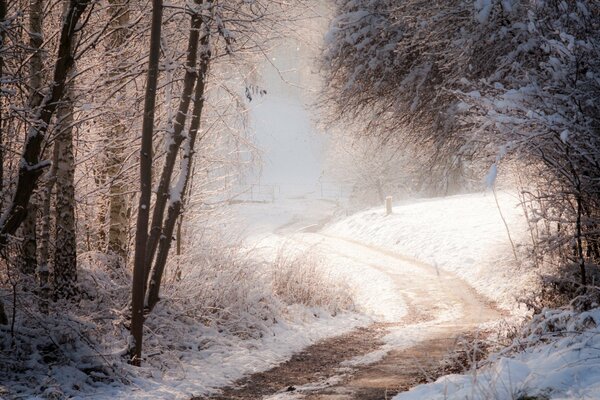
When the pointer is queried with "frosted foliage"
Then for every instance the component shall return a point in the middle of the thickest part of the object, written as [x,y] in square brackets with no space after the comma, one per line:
[465,78]
[482,10]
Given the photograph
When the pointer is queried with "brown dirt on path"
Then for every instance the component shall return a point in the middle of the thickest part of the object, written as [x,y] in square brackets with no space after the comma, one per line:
[396,372]
[317,362]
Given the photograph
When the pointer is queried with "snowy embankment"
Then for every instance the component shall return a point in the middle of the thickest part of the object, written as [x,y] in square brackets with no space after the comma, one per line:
[556,357]
[284,327]
[462,234]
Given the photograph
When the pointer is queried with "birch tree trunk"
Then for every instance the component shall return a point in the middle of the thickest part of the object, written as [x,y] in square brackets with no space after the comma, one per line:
[65,252]
[119,200]
[31,167]
[43,270]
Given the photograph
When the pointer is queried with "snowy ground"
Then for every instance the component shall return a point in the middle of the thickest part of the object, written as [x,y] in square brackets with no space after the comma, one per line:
[197,358]
[557,358]
[420,261]
[461,234]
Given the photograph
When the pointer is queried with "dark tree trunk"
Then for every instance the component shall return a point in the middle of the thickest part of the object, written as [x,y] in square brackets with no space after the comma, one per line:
[3,10]
[28,256]
[162,193]
[175,208]
[31,166]
[143,217]
[28,260]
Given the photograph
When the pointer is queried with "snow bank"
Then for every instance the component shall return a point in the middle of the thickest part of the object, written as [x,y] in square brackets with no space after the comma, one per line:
[560,360]
[463,234]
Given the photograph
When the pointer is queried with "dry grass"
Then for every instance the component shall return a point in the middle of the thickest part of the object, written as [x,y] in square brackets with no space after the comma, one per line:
[299,278]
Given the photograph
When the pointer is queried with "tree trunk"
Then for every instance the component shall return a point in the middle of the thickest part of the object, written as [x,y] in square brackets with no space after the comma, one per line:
[3,10]
[143,217]
[65,252]
[31,166]
[579,236]
[119,200]
[2,22]
[43,270]
[175,207]
[100,237]
[162,193]
[118,228]
[28,260]
[28,256]
[3,316]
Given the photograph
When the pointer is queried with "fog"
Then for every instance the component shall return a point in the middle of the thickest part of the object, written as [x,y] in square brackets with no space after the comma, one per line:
[282,120]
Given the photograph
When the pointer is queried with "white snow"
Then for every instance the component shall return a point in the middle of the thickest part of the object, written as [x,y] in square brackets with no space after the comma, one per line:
[462,234]
[483,9]
[560,363]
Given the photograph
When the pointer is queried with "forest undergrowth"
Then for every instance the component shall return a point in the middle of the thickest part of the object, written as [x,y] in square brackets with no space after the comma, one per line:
[214,297]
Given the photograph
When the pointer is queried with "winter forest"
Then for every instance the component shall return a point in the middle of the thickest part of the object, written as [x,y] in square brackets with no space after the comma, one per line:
[296,199]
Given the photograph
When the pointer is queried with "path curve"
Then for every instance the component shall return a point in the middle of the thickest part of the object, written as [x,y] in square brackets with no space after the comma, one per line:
[380,360]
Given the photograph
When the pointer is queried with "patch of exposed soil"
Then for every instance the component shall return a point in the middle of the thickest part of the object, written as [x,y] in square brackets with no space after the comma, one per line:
[317,362]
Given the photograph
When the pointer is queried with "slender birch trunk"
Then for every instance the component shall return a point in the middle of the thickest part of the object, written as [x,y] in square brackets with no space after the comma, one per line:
[43,270]
[116,136]
[65,252]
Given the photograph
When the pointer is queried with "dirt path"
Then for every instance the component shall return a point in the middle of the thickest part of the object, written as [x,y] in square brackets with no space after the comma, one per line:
[383,359]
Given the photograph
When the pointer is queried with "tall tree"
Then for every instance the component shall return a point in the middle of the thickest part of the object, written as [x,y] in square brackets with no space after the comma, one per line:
[36,40]
[31,166]
[176,194]
[116,135]
[143,218]
[176,134]
[65,252]
[3,11]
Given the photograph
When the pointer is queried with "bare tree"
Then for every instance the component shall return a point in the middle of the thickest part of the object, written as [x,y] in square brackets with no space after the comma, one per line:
[36,40]
[3,12]
[116,134]
[143,218]
[65,252]
[31,165]
[496,83]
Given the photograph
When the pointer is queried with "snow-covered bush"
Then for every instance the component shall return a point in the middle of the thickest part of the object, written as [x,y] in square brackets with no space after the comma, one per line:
[554,356]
